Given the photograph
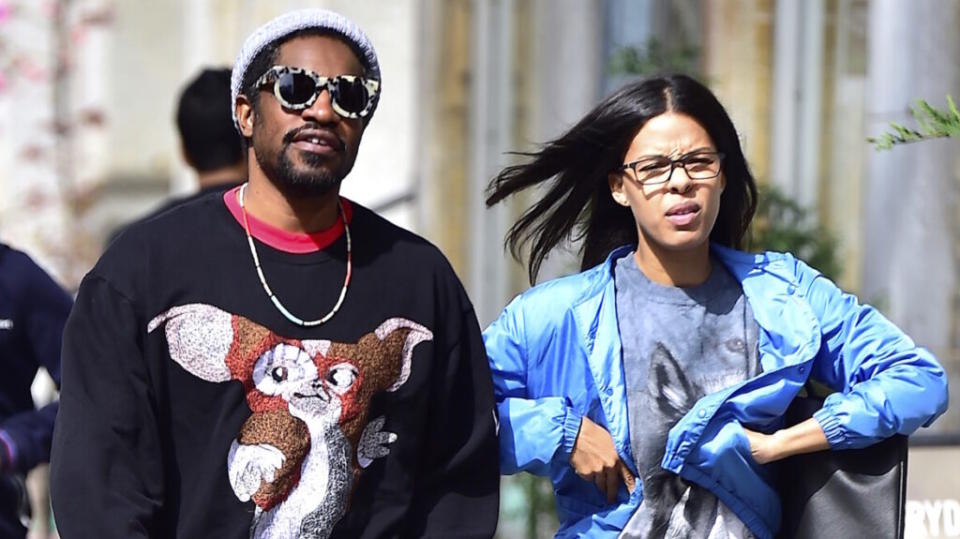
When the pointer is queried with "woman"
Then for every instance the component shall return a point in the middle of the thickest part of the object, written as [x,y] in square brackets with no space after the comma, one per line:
[651,387]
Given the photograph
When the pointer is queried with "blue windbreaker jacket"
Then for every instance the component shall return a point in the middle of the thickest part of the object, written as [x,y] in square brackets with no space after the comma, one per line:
[555,357]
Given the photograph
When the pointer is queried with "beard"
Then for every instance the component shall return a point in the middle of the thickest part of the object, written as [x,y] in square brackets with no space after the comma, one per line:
[313,180]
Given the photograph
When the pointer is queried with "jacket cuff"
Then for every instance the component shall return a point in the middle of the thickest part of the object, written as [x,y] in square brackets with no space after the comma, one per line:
[830,424]
[8,451]
[571,428]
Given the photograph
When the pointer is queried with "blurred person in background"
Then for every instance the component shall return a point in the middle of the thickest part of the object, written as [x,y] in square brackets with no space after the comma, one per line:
[198,403]
[33,311]
[651,388]
[210,143]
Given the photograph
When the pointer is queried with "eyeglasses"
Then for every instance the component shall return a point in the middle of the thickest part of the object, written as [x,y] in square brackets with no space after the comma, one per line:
[654,170]
[297,89]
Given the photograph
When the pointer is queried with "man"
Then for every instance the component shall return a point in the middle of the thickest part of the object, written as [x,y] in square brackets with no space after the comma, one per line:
[208,139]
[278,361]
[33,310]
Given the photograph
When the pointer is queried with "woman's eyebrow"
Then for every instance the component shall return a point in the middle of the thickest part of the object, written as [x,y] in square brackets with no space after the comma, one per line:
[702,149]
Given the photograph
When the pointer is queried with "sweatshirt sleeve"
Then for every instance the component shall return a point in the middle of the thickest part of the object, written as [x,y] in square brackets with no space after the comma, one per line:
[885,383]
[106,476]
[458,491]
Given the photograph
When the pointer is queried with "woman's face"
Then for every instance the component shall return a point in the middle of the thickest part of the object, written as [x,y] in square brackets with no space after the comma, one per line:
[677,214]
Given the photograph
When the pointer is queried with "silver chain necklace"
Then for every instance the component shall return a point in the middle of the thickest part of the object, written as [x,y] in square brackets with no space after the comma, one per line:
[263,280]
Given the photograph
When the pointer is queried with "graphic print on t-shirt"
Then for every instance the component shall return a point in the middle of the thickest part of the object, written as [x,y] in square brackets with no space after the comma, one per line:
[672,506]
[299,454]
[679,345]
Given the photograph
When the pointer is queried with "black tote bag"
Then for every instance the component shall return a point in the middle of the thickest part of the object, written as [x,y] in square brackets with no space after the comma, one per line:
[850,494]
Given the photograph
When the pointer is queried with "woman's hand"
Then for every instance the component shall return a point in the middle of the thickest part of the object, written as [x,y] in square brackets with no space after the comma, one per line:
[595,459]
[804,437]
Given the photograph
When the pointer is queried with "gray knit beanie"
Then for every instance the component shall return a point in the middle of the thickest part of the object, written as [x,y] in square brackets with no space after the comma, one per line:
[294,21]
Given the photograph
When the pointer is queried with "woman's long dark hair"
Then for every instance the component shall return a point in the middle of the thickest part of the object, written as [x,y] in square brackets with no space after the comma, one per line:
[578,204]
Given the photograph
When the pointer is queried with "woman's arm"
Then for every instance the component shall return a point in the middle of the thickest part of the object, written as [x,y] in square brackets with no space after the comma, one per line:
[533,431]
[885,384]
[804,437]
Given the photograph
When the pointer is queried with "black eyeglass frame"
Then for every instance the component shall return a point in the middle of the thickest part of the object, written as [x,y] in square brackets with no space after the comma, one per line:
[674,163]
[321,83]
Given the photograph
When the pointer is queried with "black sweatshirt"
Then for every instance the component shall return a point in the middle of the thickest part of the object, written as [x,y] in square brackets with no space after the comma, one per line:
[190,407]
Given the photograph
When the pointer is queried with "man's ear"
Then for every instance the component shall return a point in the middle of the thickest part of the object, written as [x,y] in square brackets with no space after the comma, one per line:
[245,115]
[615,180]
[186,156]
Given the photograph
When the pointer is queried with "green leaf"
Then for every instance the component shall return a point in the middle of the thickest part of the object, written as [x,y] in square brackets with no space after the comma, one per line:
[655,58]
[932,122]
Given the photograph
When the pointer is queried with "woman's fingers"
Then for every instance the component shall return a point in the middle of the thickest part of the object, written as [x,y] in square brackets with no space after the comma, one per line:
[613,484]
[600,480]
[628,478]
[607,482]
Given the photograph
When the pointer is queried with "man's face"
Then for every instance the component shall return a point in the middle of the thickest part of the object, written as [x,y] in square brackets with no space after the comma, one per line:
[307,152]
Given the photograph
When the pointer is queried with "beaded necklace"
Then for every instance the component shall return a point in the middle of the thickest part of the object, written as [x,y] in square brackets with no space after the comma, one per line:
[263,280]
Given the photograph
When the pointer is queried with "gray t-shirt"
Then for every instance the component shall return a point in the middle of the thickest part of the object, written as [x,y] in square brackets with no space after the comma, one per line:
[679,344]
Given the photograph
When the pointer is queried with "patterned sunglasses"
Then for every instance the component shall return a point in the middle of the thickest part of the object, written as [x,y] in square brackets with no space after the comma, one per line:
[297,89]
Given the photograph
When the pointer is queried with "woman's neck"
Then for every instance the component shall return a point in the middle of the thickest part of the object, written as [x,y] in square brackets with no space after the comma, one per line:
[668,267]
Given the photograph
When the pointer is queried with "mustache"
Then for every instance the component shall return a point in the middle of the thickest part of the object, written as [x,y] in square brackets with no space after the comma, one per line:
[288,138]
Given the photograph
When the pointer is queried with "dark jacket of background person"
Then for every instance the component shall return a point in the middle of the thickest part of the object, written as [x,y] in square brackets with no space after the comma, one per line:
[33,311]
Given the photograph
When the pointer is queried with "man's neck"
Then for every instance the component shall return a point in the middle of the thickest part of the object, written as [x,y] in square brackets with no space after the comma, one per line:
[295,214]
[674,268]
[222,176]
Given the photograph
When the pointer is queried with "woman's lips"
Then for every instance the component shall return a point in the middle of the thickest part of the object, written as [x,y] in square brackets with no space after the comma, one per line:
[683,214]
